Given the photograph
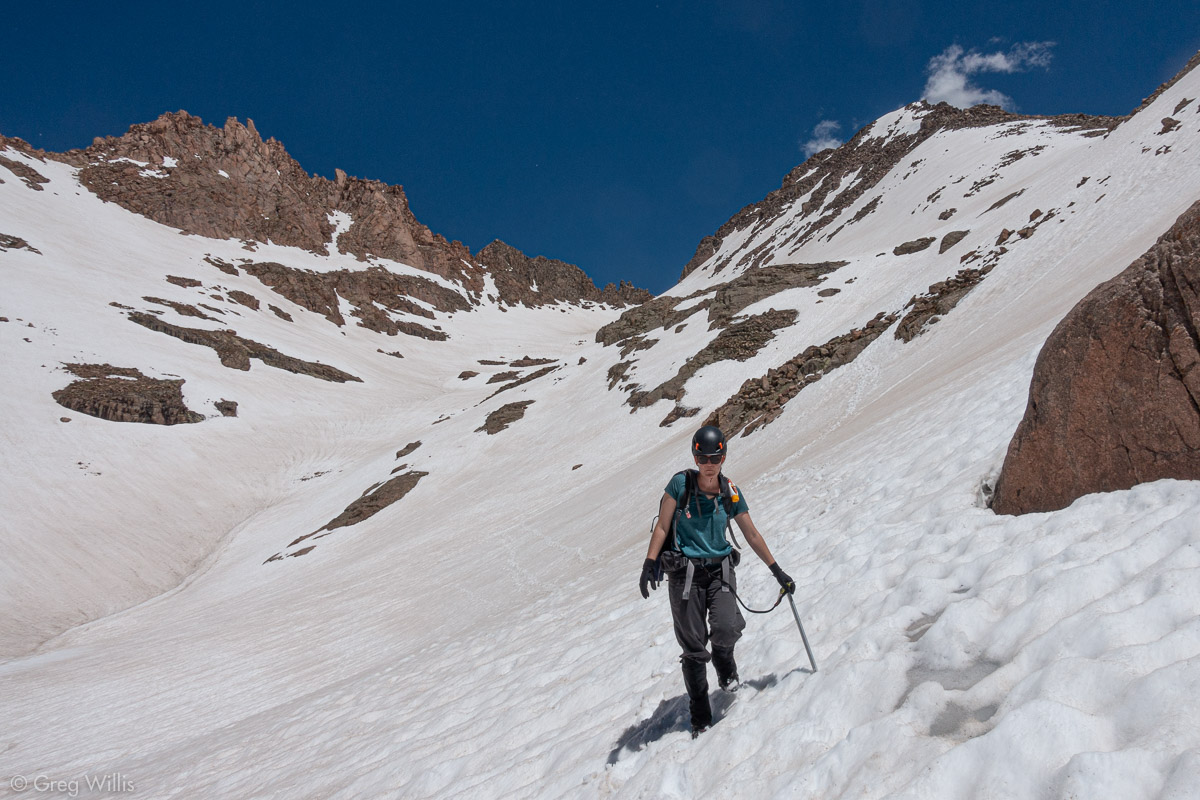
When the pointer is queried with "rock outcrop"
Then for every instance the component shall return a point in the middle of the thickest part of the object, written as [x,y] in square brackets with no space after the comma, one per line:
[369,291]
[538,281]
[8,242]
[728,300]
[235,351]
[1115,396]
[937,302]
[124,394]
[759,401]
[504,416]
[739,342]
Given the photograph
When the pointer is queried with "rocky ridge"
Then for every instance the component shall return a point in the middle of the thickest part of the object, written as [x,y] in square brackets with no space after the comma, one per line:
[535,281]
[868,158]
[230,183]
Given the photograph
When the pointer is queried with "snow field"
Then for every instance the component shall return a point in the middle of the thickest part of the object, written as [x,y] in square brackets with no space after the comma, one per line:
[484,636]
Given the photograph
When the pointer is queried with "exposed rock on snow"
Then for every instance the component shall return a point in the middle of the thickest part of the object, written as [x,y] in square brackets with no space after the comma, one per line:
[941,297]
[366,290]
[182,309]
[657,313]
[761,400]
[915,246]
[373,501]
[950,239]
[30,176]
[235,352]
[739,342]
[533,376]
[504,416]
[758,284]
[124,394]
[526,361]
[408,448]
[728,300]
[1115,396]
[16,243]
[245,299]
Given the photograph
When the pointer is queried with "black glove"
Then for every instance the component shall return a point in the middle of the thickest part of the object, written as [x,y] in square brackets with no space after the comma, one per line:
[649,576]
[786,582]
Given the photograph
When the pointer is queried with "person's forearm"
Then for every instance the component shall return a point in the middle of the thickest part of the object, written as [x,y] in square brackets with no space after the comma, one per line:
[759,546]
[656,542]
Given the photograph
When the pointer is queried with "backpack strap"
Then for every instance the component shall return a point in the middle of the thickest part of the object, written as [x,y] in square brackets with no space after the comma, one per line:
[689,491]
[729,497]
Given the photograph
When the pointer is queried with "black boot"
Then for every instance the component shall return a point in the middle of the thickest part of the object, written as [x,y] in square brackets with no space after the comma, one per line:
[727,674]
[695,678]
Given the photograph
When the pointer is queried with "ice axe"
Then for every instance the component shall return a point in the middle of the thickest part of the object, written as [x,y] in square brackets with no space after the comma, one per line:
[807,649]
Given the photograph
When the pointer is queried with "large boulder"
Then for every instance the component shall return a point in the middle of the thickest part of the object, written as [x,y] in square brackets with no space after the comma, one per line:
[1115,398]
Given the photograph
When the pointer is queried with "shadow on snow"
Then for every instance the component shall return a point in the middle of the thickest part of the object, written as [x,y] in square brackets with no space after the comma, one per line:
[674,716]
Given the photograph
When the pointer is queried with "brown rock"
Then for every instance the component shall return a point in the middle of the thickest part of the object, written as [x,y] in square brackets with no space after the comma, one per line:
[16,243]
[915,246]
[739,342]
[235,352]
[937,302]
[370,503]
[1115,396]
[950,239]
[516,274]
[761,400]
[533,376]
[183,309]
[109,393]
[28,175]
[244,298]
[504,416]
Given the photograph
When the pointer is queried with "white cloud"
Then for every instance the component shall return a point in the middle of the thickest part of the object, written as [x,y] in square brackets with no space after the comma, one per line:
[824,136]
[950,73]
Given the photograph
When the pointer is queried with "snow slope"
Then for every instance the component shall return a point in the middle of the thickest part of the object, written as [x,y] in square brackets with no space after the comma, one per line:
[483,636]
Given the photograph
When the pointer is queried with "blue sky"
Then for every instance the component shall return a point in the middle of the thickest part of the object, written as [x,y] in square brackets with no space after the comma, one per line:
[612,135]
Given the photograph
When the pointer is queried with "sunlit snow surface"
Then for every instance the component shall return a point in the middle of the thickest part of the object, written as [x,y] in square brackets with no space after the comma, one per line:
[484,637]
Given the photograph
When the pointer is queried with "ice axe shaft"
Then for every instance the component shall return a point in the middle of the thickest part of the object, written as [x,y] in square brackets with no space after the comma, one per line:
[807,649]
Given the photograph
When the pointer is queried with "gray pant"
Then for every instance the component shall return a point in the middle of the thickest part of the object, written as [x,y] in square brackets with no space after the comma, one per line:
[707,614]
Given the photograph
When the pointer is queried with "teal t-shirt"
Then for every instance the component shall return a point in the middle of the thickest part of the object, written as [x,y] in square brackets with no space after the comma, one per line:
[700,530]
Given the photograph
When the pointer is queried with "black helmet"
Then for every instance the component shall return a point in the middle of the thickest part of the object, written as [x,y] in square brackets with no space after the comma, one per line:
[708,441]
